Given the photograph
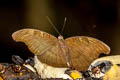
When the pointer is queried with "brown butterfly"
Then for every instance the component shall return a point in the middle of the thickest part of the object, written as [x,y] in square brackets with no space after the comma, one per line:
[80,51]
[77,52]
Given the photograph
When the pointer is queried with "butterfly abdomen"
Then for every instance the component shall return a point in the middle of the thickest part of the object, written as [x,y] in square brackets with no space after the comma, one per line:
[64,49]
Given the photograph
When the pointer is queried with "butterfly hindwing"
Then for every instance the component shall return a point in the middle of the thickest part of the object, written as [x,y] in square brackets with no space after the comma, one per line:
[83,50]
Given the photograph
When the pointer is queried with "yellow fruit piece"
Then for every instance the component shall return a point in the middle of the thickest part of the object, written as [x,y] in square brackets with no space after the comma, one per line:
[76,75]
[21,73]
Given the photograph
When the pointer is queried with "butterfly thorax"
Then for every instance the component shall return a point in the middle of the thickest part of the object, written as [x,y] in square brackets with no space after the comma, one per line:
[60,37]
[64,48]
[61,41]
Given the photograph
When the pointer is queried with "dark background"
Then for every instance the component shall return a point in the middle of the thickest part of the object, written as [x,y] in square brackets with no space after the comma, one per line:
[95,18]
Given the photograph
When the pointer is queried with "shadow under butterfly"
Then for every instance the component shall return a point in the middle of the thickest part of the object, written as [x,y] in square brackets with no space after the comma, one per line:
[77,52]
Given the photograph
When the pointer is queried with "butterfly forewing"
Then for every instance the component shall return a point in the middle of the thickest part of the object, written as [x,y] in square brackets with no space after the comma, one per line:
[42,44]
[37,41]
[83,50]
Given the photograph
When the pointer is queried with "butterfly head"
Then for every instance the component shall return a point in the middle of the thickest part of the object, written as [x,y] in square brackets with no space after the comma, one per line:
[60,37]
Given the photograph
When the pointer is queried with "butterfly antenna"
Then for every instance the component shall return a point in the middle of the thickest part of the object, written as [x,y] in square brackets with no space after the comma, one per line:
[53,25]
[63,25]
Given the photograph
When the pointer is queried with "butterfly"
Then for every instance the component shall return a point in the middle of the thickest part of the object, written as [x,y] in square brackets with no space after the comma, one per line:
[77,51]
